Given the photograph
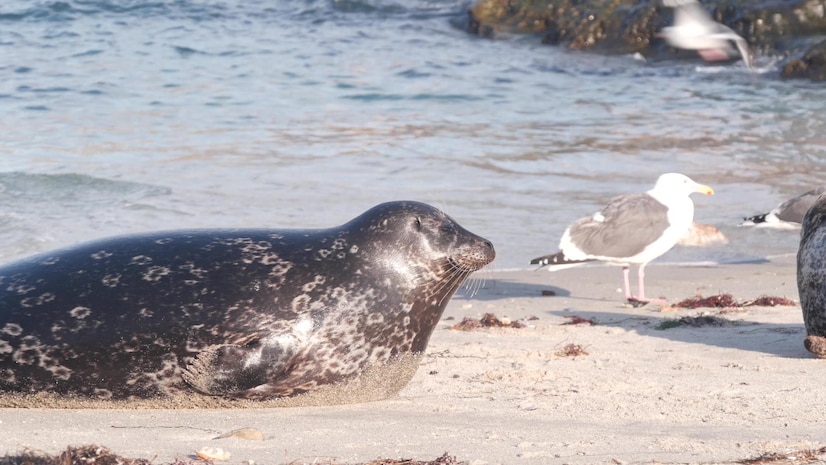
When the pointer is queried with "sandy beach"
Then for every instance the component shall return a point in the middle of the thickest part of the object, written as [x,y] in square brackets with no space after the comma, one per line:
[734,390]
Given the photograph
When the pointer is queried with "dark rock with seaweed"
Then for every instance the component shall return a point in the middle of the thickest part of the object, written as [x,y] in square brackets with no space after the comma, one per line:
[791,29]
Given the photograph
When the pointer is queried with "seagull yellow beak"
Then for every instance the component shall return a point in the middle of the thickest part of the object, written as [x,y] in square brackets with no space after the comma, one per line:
[703,189]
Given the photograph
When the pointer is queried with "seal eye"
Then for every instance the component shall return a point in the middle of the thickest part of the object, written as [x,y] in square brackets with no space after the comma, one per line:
[418,223]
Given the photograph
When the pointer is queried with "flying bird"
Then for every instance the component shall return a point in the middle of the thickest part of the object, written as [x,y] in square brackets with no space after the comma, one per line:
[694,29]
[631,229]
[787,215]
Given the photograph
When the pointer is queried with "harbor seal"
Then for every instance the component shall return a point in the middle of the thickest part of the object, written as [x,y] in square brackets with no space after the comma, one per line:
[811,276]
[243,314]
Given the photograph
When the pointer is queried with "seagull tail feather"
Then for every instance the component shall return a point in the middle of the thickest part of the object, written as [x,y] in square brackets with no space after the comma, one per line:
[754,219]
[555,259]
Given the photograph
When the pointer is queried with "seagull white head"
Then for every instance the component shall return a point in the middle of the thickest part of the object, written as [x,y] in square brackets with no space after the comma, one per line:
[680,184]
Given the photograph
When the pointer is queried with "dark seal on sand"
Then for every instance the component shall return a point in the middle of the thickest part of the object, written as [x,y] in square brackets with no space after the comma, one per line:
[811,276]
[245,314]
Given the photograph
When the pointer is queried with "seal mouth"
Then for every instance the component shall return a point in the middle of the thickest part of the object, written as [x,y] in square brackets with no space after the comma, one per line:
[457,270]
[474,258]
[459,266]
[465,265]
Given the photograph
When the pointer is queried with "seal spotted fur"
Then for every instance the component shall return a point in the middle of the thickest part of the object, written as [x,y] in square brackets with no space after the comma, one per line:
[250,314]
[811,276]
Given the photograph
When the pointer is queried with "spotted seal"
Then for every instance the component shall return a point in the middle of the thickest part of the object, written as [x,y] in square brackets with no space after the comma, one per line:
[245,314]
[811,276]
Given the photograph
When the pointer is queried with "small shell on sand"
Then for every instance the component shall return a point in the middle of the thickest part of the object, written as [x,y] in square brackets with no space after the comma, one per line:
[250,434]
[212,454]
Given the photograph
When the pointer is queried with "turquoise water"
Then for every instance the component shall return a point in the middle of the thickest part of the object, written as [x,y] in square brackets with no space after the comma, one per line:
[124,116]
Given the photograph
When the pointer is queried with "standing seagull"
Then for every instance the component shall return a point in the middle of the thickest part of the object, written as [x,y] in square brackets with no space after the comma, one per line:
[632,228]
[694,29]
[787,215]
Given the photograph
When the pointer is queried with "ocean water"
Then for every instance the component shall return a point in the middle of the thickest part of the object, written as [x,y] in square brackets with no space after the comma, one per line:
[120,116]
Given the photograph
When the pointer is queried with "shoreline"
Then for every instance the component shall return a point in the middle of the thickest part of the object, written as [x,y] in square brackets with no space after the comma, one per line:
[710,394]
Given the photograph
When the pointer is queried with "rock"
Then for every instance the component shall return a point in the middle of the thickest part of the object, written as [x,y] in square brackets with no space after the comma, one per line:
[702,235]
[811,65]
[616,26]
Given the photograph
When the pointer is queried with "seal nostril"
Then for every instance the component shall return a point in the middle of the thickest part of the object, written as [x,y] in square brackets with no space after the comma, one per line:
[489,244]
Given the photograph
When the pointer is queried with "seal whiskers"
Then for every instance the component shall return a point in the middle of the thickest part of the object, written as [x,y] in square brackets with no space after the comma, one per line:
[454,277]
[462,273]
[454,272]
[473,285]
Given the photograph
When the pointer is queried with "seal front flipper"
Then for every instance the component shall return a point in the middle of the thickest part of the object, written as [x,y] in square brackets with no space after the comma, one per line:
[816,345]
[228,370]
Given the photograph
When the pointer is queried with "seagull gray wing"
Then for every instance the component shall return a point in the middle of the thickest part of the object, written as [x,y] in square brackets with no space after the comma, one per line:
[623,228]
[794,209]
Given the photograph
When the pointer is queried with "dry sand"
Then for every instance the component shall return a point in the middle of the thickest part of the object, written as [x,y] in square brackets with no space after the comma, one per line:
[642,394]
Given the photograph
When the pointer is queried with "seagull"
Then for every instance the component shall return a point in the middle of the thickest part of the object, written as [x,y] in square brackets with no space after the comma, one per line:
[787,215]
[631,229]
[694,29]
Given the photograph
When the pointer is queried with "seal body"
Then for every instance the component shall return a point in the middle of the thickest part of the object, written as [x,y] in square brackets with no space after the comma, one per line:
[238,313]
[811,276]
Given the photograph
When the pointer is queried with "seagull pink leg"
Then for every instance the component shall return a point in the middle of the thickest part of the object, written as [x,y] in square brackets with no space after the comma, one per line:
[628,295]
[641,284]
